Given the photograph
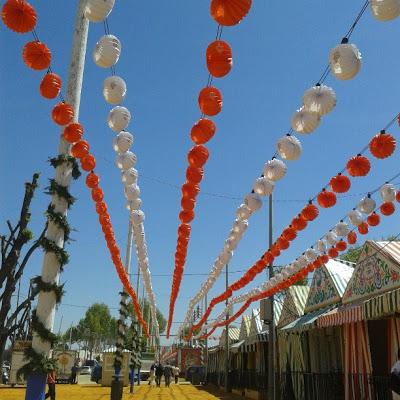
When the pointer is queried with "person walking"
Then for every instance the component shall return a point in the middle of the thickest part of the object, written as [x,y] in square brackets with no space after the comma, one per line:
[176,374]
[167,375]
[152,374]
[395,378]
[51,383]
[74,371]
[159,371]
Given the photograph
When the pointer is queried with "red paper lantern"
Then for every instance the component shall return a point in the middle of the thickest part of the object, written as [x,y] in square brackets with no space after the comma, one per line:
[101,208]
[62,114]
[326,199]
[80,149]
[363,228]
[104,219]
[198,156]
[358,166]
[73,132]
[387,208]
[88,162]
[340,183]
[282,243]
[398,196]
[332,252]
[275,251]
[298,223]
[50,86]
[184,229]
[36,55]
[202,131]
[289,233]
[19,16]
[324,259]
[190,190]
[229,12]
[219,58]
[97,194]
[186,216]
[374,219]
[382,145]
[210,101]
[341,245]
[92,180]
[187,203]
[268,257]
[310,212]
[194,175]
[352,237]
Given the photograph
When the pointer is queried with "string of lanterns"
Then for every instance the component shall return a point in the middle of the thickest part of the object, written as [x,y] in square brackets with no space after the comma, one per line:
[335,241]
[20,16]
[219,64]
[319,100]
[105,55]
[380,146]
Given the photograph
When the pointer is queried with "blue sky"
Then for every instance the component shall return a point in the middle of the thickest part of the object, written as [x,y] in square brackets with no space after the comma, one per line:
[278,53]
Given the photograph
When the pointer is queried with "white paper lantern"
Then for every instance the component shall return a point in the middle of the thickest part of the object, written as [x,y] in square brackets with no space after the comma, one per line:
[388,192]
[275,169]
[264,186]
[119,118]
[311,255]
[385,10]
[129,176]
[107,51]
[132,192]
[137,217]
[342,229]
[345,61]
[134,204]
[305,121]
[321,246]
[98,10]
[355,217]
[126,160]
[240,226]
[243,212]
[320,99]
[253,201]
[122,142]
[114,90]
[302,261]
[366,205]
[289,148]
[331,238]
[226,257]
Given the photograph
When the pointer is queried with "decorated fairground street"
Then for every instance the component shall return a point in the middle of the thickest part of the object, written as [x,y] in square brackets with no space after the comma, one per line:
[199,200]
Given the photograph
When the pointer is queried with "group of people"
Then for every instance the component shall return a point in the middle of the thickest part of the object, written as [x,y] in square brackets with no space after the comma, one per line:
[158,370]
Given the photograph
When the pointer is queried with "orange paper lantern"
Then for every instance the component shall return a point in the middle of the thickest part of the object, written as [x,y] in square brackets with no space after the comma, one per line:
[36,55]
[282,243]
[299,223]
[363,228]
[332,252]
[190,190]
[187,203]
[210,101]
[382,145]
[387,208]
[358,166]
[50,86]
[289,233]
[275,251]
[19,16]
[88,162]
[184,229]
[97,194]
[310,212]
[398,196]
[326,199]
[229,12]
[101,208]
[341,245]
[374,219]
[324,259]
[186,216]
[340,183]
[202,131]
[198,156]
[219,58]
[62,114]
[73,132]
[352,237]
[194,175]
[80,149]
[92,180]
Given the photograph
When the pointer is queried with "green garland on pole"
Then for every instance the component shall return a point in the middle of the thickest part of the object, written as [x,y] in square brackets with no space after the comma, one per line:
[59,219]
[50,246]
[61,191]
[42,331]
[63,158]
[41,286]
[38,364]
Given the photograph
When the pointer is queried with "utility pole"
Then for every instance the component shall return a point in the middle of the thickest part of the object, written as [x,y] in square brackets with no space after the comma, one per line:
[226,336]
[46,306]
[271,330]
[117,383]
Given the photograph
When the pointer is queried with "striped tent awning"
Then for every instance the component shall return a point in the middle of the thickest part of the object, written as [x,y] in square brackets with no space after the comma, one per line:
[306,322]
[382,306]
[338,317]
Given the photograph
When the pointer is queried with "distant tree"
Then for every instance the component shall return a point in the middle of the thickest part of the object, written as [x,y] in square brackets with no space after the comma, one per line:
[162,322]
[13,262]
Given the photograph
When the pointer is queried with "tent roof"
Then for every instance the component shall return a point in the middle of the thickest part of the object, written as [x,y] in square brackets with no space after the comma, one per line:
[293,304]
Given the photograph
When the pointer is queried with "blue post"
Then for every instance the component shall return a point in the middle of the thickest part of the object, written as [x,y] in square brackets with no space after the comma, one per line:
[36,387]
[138,377]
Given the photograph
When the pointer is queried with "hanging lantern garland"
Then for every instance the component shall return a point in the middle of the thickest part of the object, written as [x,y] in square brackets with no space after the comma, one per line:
[309,261]
[325,199]
[105,55]
[319,100]
[219,64]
